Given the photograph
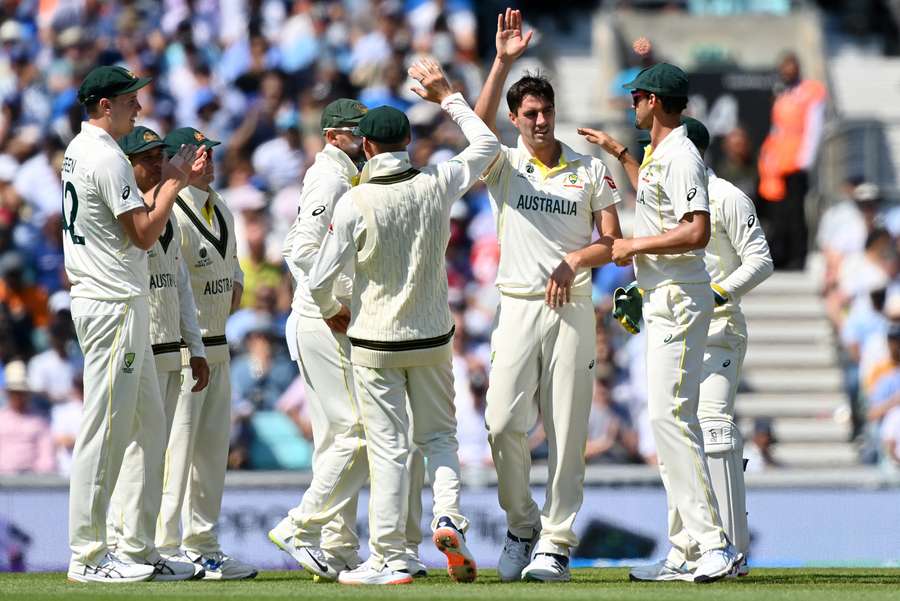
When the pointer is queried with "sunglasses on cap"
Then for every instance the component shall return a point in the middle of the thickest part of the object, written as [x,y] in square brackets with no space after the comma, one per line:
[353,131]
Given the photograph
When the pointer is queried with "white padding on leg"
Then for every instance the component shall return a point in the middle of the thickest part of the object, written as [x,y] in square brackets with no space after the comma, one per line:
[720,435]
[724,447]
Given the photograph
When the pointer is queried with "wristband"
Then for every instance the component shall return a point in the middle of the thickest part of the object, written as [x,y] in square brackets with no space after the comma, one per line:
[621,153]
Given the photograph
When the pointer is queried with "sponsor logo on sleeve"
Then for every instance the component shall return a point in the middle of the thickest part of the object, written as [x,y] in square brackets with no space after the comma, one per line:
[126,192]
[610,182]
[691,194]
[318,210]
[751,220]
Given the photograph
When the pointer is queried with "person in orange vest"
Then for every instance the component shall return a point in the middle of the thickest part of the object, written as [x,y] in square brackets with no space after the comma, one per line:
[786,156]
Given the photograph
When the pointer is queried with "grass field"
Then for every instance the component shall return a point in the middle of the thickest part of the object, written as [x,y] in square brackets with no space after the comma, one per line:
[593,584]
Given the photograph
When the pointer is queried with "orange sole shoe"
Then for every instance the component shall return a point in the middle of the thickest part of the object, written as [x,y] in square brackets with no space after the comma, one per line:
[460,563]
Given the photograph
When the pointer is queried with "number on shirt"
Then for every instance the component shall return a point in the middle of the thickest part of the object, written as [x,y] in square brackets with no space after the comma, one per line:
[69,192]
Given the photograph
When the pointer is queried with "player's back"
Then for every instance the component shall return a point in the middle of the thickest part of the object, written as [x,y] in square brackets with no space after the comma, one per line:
[98,185]
[400,269]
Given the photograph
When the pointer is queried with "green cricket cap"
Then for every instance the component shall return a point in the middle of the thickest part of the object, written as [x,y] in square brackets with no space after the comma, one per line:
[343,112]
[385,124]
[696,132]
[109,82]
[186,135]
[140,140]
[662,79]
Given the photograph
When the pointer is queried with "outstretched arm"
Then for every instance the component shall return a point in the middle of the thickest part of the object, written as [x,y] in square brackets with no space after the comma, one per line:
[510,46]
[616,149]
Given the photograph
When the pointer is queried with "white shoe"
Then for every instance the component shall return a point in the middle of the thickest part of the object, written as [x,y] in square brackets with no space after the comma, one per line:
[177,556]
[415,567]
[741,569]
[219,566]
[310,558]
[177,568]
[367,573]
[716,564]
[661,571]
[515,557]
[110,569]
[547,567]
[460,561]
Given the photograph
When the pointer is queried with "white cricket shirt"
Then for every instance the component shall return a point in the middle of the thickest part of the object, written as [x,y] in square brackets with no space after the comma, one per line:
[543,214]
[672,182]
[330,176]
[737,257]
[98,186]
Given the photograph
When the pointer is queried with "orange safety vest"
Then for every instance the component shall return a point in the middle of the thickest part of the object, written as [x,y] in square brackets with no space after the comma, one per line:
[781,148]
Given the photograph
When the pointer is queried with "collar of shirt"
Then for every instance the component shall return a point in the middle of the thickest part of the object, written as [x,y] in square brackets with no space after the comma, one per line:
[671,141]
[567,156]
[201,199]
[386,163]
[100,134]
[338,156]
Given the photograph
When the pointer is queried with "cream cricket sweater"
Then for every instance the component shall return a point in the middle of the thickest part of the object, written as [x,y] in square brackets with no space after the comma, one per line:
[395,227]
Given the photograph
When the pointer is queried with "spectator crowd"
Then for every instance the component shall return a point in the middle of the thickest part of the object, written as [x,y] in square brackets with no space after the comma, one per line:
[255,74]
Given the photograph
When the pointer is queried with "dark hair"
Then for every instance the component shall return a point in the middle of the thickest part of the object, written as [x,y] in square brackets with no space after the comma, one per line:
[91,107]
[531,84]
[673,105]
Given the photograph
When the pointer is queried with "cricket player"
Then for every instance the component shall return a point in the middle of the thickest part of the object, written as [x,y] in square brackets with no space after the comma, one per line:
[737,259]
[320,533]
[107,230]
[173,317]
[672,227]
[394,228]
[548,199]
[197,451]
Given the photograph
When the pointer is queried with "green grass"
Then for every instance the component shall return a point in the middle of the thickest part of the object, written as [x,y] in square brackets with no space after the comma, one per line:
[594,584]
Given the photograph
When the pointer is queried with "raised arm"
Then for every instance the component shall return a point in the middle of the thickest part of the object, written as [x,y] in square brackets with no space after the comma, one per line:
[614,148]
[458,174]
[144,225]
[510,46]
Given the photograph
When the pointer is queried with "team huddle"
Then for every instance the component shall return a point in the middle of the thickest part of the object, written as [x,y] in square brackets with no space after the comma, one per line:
[150,252]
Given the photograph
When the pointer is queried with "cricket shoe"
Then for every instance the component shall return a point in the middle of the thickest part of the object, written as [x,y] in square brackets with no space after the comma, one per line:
[173,568]
[110,569]
[741,569]
[515,557]
[219,566]
[547,567]
[716,564]
[369,573]
[310,558]
[415,566]
[177,556]
[451,542]
[661,571]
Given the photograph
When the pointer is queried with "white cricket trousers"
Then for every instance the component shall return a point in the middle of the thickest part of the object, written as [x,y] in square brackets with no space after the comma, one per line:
[326,516]
[196,458]
[677,317]
[127,499]
[382,394]
[723,442]
[542,363]
[122,405]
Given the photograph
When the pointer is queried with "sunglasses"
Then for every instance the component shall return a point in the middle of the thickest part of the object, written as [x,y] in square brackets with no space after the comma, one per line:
[636,97]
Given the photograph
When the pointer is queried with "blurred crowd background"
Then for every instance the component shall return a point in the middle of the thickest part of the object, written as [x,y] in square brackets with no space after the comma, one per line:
[255,75]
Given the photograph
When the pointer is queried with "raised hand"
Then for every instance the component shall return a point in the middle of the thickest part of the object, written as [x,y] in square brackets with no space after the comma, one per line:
[435,86]
[602,139]
[180,166]
[510,41]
